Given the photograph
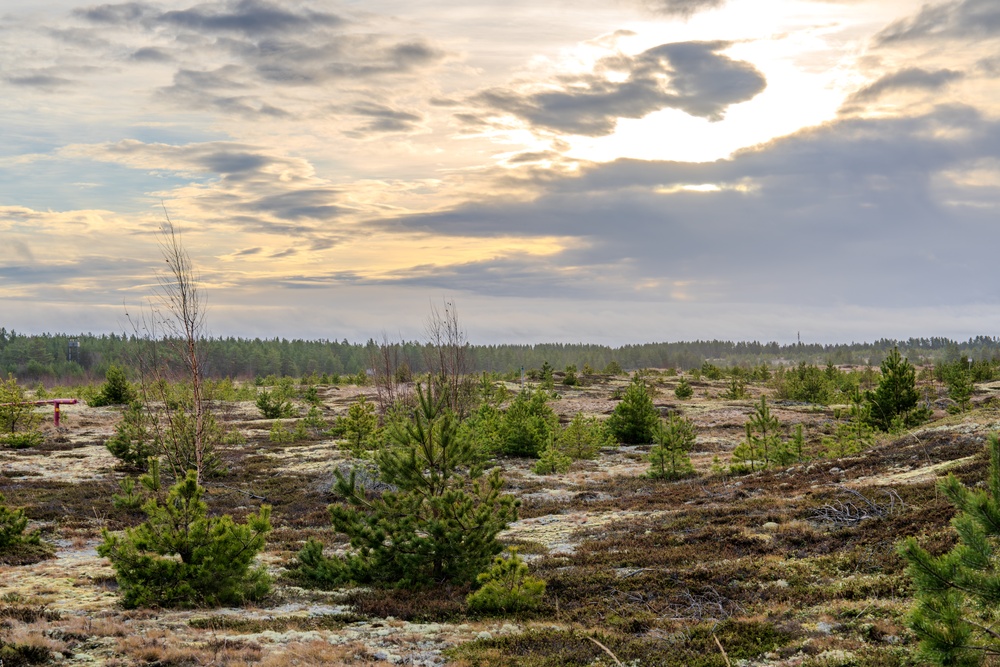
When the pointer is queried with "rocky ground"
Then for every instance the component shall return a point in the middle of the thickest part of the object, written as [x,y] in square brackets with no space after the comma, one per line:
[639,571]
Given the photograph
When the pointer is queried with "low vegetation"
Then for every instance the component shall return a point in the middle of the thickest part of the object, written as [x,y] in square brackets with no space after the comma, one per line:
[704,514]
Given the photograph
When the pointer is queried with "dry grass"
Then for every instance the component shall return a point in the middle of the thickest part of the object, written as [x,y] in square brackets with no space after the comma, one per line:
[656,571]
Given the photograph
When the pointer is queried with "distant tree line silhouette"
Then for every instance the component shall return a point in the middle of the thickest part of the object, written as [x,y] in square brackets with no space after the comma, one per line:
[44,357]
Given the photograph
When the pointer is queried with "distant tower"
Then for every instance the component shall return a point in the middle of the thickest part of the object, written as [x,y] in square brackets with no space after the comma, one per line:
[798,334]
[73,351]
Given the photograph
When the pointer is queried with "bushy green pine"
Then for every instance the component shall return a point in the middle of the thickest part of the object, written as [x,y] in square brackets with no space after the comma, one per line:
[181,557]
[583,437]
[683,390]
[438,523]
[894,401]
[958,593]
[669,458]
[552,461]
[763,445]
[273,405]
[116,389]
[360,427]
[635,418]
[135,438]
[507,587]
[18,421]
[960,389]
[528,424]
[13,523]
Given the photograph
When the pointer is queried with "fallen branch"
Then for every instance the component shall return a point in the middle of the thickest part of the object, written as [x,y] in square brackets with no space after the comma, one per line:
[857,508]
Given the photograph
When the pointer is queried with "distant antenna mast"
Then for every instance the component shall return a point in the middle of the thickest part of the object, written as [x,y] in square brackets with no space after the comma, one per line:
[798,334]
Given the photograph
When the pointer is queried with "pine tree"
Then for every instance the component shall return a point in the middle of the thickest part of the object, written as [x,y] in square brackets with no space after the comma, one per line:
[896,396]
[181,557]
[507,587]
[958,593]
[440,521]
[527,425]
[669,458]
[360,426]
[582,438]
[116,389]
[552,461]
[635,418]
[683,390]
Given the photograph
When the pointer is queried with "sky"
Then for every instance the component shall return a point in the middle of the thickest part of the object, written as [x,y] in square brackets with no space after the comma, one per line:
[606,171]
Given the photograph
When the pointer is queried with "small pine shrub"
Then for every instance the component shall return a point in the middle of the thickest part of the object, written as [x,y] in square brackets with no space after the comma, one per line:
[683,390]
[128,498]
[280,434]
[116,389]
[669,458]
[507,588]
[635,418]
[439,522]
[737,389]
[552,461]
[13,523]
[527,425]
[18,421]
[134,440]
[272,405]
[956,592]
[583,437]
[21,440]
[360,427]
[181,557]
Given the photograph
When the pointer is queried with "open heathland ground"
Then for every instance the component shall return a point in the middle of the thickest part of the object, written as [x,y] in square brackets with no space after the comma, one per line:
[794,565]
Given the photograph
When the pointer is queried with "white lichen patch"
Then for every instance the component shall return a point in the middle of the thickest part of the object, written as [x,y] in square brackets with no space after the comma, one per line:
[71,582]
[82,464]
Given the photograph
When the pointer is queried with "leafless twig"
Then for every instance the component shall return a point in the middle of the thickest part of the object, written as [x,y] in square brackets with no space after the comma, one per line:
[857,507]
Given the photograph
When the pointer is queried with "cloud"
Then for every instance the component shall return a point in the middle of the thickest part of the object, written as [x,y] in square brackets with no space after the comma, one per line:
[909,79]
[257,190]
[41,81]
[682,8]
[383,119]
[250,18]
[258,59]
[961,19]
[691,76]
[151,54]
[851,212]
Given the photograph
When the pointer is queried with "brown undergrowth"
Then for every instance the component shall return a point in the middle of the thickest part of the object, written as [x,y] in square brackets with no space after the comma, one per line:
[771,568]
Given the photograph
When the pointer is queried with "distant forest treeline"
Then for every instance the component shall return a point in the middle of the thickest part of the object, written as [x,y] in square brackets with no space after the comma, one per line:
[46,357]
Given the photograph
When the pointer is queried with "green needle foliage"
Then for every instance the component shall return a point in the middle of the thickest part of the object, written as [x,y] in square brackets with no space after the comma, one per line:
[181,557]
[669,458]
[12,526]
[583,437]
[635,418]
[116,389]
[683,390]
[18,422]
[272,405]
[894,401]
[360,427]
[440,521]
[763,445]
[552,461]
[528,424]
[135,438]
[958,593]
[507,587]
[960,389]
